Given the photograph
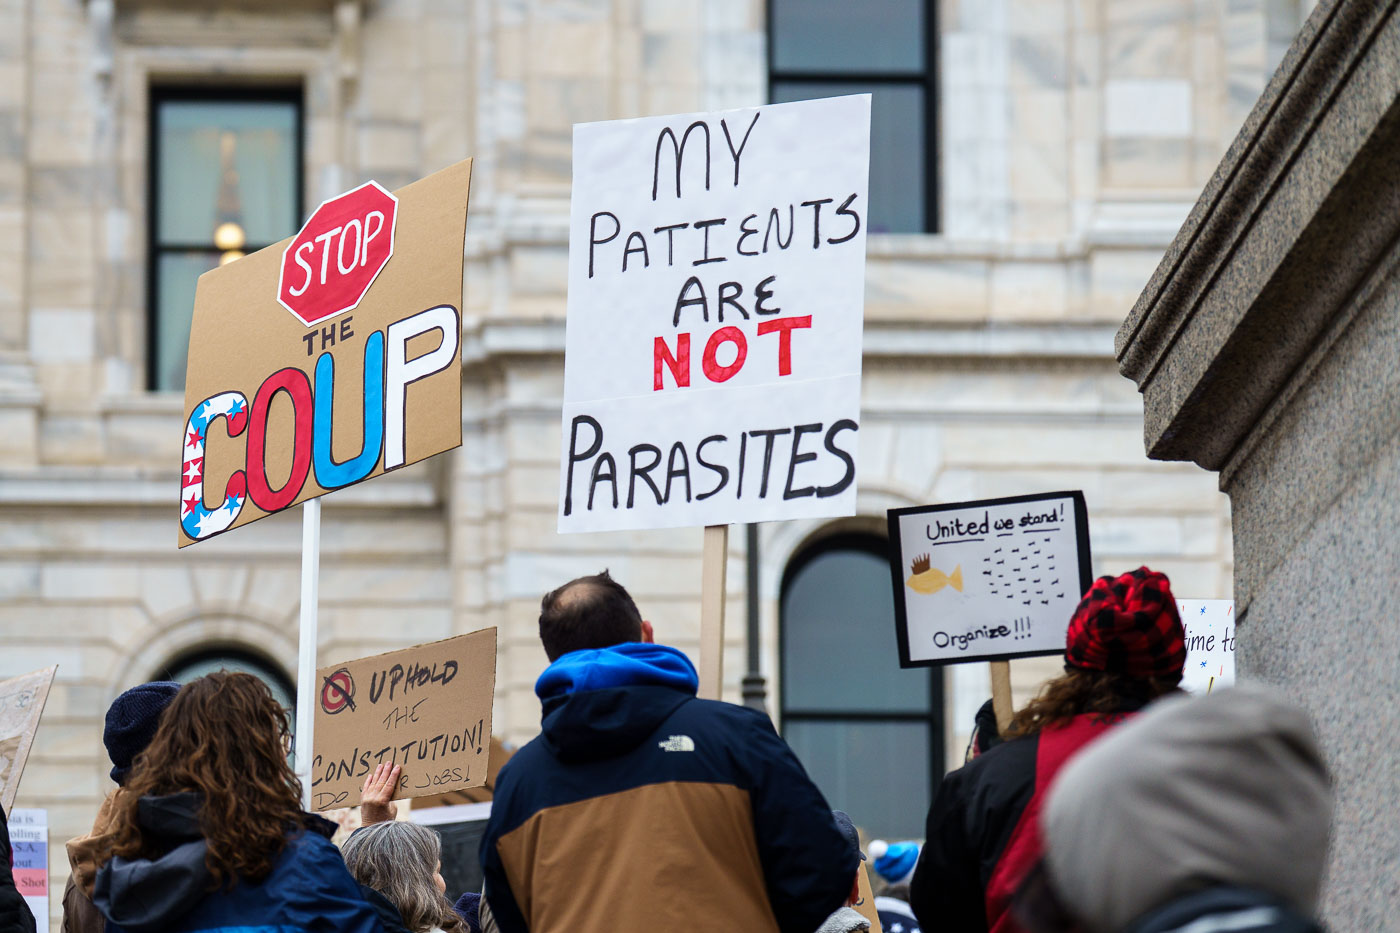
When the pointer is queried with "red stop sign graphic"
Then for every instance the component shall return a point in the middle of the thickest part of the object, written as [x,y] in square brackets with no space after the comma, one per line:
[342,248]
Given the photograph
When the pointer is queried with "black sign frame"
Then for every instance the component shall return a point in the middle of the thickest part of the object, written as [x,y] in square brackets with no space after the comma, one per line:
[897,562]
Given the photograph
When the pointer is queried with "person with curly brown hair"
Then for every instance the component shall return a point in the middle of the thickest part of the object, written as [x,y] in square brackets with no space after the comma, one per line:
[1125,646]
[210,834]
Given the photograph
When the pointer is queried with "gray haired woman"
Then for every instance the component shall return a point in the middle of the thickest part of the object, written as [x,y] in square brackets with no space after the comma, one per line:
[403,861]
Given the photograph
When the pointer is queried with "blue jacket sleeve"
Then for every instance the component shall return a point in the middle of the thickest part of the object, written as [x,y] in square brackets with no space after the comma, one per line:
[321,896]
[808,867]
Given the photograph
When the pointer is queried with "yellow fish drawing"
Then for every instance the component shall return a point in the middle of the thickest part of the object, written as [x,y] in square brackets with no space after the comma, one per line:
[926,579]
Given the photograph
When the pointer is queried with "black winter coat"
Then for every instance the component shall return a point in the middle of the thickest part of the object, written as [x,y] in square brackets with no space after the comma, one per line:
[14,912]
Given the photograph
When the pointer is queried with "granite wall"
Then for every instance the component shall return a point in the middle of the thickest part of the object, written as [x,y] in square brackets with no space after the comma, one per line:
[1267,347]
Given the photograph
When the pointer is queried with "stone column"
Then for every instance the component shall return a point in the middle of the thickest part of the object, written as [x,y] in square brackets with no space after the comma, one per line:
[1267,348]
[19,397]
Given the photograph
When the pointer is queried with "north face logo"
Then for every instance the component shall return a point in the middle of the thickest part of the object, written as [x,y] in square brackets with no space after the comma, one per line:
[678,743]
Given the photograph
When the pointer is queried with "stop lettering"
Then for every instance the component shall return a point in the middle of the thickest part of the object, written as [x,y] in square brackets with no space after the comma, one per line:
[342,248]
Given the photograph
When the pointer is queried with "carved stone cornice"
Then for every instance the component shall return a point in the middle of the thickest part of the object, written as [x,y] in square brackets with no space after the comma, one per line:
[1299,212]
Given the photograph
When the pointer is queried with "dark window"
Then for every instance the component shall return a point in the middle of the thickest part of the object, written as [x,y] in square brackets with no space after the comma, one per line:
[203,661]
[226,179]
[825,48]
[869,733]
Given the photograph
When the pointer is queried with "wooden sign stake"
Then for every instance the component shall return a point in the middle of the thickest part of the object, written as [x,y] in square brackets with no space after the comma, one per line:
[1001,693]
[306,643]
[714,563]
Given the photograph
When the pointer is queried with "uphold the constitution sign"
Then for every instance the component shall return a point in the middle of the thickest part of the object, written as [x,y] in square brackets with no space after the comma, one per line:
[326,359]
[425,708]
[716,291]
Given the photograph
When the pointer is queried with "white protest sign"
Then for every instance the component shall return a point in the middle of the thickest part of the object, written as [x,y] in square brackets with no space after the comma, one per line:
[716,295]
[1210,644]
[29,847]
[988,580]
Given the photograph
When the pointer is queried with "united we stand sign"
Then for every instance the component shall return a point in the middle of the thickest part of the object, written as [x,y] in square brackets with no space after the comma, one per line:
[326,359]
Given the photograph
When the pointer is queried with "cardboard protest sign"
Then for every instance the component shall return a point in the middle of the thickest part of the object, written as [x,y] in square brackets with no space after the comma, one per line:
[988,580]
[1210,644]
[326,359]
[426,708]
[716,294]
[29,845]
[22,702]
[865,899]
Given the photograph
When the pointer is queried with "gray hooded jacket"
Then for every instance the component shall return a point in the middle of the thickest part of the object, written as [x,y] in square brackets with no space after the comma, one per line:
[1226,789]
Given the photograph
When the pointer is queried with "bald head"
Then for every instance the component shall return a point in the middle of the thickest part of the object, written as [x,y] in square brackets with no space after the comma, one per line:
[590,612]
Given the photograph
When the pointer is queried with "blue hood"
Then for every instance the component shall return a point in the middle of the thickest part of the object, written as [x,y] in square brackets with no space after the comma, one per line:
[156,895]
[602,703]
[631,664]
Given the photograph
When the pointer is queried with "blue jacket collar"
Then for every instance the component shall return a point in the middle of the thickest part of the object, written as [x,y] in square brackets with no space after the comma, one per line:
[631,664]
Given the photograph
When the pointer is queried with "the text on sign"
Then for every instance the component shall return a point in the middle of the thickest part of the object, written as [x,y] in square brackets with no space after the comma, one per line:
[703,242]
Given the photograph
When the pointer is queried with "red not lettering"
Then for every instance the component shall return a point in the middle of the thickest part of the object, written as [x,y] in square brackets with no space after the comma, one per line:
[784,326]
[678,364]
[713,370]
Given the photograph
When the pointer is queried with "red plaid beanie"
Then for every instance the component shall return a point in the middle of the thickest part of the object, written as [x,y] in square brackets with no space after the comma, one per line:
[1128,625]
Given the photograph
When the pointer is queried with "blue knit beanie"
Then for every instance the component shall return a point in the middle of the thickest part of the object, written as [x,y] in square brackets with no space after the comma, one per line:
[468,907]
[131,723]
[894,861]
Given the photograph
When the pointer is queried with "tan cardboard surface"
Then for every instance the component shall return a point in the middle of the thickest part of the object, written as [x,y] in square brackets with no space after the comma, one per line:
[22,702]
[865,904]
[242,339]
[427,708]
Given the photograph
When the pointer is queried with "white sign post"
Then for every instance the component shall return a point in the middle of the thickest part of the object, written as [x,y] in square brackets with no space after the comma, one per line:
[713,347]
[988,581]
[306,644]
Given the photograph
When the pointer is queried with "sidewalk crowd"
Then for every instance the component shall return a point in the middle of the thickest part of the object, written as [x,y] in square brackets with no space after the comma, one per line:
[1112,803]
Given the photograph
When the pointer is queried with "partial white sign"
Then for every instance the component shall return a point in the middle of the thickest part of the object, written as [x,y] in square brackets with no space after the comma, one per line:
[29,846]
[988,580]
[716,297]
[1210,644]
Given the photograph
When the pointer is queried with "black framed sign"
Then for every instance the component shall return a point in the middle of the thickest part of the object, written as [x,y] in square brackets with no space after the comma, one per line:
[988,580]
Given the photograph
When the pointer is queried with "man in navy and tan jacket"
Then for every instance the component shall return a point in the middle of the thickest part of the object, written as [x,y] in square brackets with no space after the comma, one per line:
[642,808]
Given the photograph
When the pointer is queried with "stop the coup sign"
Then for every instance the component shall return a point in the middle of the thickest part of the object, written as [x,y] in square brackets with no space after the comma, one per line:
[336,256]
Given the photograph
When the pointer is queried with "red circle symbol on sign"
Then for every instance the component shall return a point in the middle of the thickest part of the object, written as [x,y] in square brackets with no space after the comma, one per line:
[335,258]
[338,692]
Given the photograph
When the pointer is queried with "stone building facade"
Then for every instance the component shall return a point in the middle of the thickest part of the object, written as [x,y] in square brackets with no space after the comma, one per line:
[1068,140]
[1267,348]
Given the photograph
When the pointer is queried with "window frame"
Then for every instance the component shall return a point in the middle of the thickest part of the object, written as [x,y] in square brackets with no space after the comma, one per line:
[159,94]
[934,717]
[225,651]
[927,78]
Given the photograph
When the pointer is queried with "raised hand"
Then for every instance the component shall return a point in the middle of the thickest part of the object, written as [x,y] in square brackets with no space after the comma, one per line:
[376,797]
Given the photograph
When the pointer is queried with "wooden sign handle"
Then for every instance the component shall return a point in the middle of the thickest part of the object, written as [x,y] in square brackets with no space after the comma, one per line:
[1001,694]
[714,563]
